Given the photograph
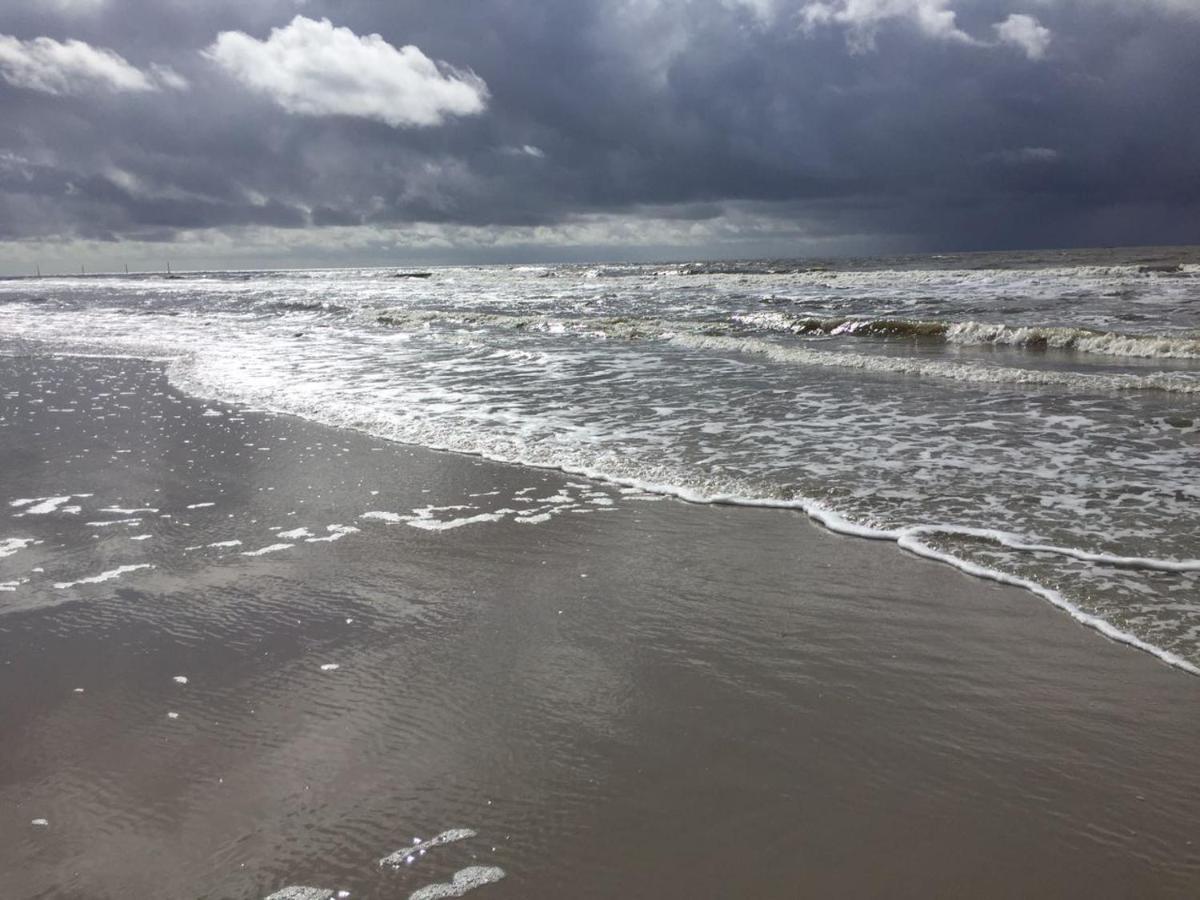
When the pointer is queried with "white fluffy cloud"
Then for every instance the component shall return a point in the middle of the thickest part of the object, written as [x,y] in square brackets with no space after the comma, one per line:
[863,17]
[310,67]
[74,67]
[1024,32]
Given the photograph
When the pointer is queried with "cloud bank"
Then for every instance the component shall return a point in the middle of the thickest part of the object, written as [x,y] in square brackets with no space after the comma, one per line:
[599,128]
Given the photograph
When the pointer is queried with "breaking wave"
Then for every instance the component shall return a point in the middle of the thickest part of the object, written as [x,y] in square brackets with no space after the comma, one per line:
[699,388]
[628,327]
[1037,337]
[980,374]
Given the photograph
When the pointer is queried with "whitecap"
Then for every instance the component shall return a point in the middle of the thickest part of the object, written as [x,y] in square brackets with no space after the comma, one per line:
[104,576]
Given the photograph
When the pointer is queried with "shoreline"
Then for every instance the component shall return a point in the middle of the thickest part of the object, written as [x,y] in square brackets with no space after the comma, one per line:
[905,538]
[630,696]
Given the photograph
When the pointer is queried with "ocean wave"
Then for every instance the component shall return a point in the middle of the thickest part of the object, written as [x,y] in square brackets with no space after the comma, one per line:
[1080,340]
[1039,337]
[715,336]
[836,326]
[299,304]
[908,269]
[217,359]
[966,372]
[669,480]
[910,540]
[628,327]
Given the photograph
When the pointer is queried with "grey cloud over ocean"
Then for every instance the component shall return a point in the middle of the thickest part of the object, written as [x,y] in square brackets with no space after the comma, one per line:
[278,132]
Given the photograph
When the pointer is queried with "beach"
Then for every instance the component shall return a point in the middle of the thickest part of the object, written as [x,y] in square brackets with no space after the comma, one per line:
[243,651]
[744,450]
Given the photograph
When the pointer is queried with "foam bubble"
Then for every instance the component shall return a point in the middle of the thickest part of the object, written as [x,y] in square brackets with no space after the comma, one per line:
[299,892]
[405,854]
[464,880]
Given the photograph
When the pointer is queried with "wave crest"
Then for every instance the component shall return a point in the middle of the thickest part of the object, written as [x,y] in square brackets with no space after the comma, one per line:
[967,372]
[1037,337]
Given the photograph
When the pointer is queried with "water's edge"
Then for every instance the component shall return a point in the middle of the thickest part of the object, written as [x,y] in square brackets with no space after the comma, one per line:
[907,539]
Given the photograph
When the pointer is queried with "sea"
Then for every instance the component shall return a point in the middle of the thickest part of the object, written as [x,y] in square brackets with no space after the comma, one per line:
[1031,418]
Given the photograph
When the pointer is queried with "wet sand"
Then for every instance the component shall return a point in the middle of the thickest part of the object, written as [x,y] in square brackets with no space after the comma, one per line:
[620,696]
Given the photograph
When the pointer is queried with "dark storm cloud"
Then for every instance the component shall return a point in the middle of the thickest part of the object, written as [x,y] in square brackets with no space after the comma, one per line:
[969,124]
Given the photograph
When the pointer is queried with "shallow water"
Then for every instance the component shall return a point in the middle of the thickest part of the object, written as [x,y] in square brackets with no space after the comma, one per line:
[553,687]
[1034,418]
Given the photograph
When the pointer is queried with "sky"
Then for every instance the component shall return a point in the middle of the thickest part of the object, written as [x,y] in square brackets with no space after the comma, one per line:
[262,133]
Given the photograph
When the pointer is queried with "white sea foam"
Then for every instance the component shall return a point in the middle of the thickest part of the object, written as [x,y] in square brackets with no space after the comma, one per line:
[464,880]
[408,855]
[299,892]
[295,534]
[425,519]
[104,576]
[334,533]
[382,516]
[270,548]
[9,546]
[42,506]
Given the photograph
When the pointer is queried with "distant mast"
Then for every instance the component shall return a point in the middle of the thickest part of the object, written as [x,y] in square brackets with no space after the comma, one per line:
[39,270]
[168,267]
[126,268]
